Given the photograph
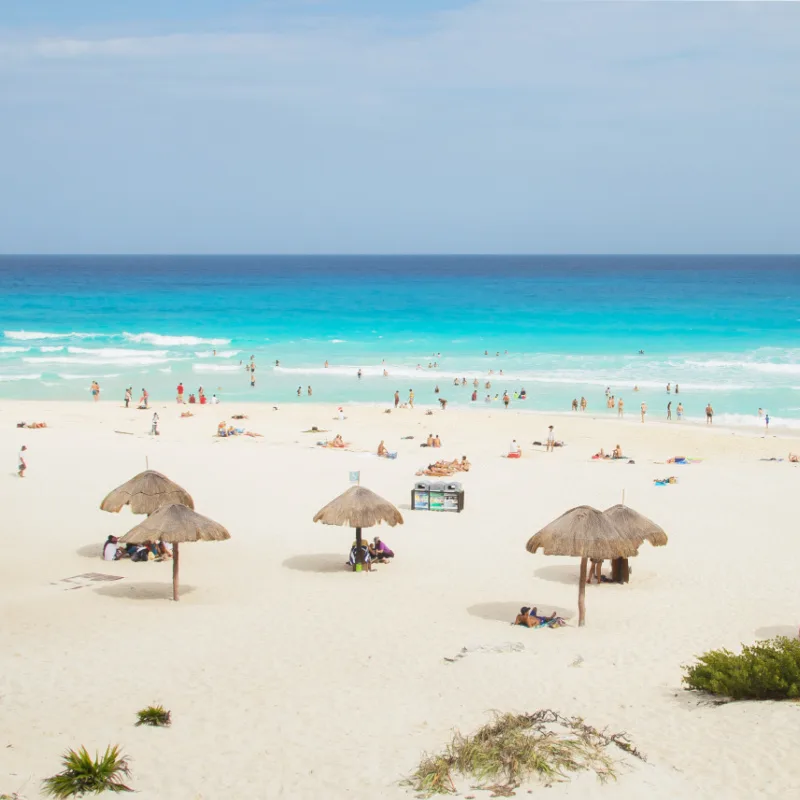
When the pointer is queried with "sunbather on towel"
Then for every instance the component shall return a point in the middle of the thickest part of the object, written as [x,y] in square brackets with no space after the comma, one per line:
[529,618]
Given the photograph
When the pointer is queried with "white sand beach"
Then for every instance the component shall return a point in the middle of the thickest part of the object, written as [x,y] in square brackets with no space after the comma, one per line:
[289,676]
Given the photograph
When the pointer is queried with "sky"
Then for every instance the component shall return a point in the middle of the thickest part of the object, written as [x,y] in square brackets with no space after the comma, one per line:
[406,126]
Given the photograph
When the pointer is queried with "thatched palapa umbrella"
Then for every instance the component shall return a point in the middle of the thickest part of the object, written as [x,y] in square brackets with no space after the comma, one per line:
[145,493]
[176,523]
[359,508]
[636,527]
[582,532]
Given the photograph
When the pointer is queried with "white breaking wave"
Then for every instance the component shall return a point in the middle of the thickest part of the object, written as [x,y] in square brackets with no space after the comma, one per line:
[220,354]
[20,377]
[158,339]
[120,361]
[216,368]
[14,349]
[116,352]
[54,349]
[69,377]
[33,335]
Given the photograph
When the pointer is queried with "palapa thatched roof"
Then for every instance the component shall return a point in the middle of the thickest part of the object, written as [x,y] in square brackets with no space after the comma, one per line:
[359,508]
[146,493]
[176,523]
[583,532]
[636,526]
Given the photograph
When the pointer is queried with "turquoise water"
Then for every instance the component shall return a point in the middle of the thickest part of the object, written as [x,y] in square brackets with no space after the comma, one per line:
[724,328]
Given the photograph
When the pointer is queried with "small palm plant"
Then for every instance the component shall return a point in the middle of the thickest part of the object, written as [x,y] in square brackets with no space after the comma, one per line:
[83,774]
[157,716]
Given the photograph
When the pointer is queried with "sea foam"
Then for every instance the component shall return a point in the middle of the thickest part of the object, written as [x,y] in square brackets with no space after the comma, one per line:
[167,341]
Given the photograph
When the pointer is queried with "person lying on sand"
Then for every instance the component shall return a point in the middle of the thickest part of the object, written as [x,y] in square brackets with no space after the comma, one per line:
[239,416]
[529,618]
[31,424]
[186,414]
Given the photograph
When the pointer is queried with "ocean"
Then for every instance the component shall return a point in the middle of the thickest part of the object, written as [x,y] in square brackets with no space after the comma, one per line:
[724,328]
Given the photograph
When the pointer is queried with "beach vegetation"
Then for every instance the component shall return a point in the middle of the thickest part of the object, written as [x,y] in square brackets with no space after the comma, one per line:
[83,774]
[156,716]
[766,670]
[514,748]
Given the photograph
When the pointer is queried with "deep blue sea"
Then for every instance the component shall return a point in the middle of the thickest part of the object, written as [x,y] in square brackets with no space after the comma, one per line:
[724,328]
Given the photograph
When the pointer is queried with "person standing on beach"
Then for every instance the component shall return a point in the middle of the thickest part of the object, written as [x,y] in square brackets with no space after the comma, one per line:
[144,400]
[411,398]
[669,410]
[95,391]
[583,404]
[669,388]
[180,392]
[709,415]
[128,396]
[299,390]
[620,408]
[252,380]
[551,440]
[359,373]
[396,398]
[679,409]
[766,420]
[309,391]
[644,410]
[22,464]
[677,390]
[506,399]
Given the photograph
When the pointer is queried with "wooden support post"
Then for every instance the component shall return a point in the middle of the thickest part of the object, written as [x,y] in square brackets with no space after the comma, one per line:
[175,570]
[582,595]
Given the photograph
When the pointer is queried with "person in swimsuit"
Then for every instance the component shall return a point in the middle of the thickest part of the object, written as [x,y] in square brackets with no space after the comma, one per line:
[679,409]
[551,440]
[620,408]
[382,451]
[709,415]
[669,410]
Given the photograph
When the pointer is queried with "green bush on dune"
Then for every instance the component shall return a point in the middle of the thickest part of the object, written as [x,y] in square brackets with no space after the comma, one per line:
[83,774]
[514,748]
[768,670]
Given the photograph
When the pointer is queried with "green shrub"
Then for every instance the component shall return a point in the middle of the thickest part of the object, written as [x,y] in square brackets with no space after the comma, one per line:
[768,670]
[83,774]
[515,747]
[157,716]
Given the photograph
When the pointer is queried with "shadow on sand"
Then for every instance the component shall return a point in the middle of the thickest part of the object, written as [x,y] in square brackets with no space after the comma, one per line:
[771,631]
[91,550]
[508,610]
[143,591]
[562,573]
[317,562]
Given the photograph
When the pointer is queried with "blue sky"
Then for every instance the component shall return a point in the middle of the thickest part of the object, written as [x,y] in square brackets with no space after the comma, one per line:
[316,126]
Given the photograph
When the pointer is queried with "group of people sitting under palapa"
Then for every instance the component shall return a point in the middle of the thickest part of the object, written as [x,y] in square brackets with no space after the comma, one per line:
[615,454]
[147,551]
[223,429]
[443,469]
[375,552]
[529,618]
